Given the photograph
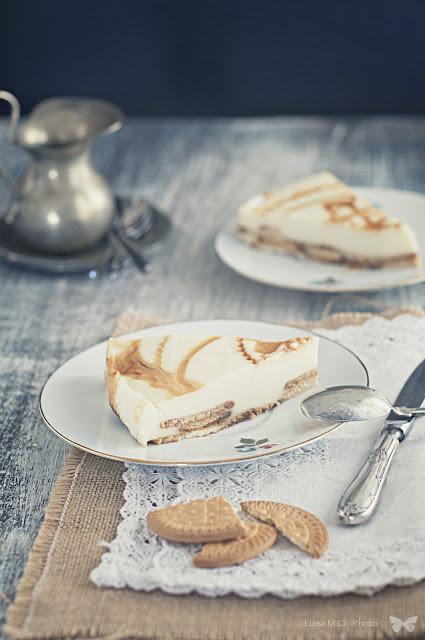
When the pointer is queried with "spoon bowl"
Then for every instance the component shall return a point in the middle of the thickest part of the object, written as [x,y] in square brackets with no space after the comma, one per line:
[353,403]
[136,218]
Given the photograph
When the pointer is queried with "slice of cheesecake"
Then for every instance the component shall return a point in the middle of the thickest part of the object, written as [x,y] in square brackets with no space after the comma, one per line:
[321,218]
[181,386]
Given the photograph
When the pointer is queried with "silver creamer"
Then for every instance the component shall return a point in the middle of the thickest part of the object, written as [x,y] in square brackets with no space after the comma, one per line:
[60,204]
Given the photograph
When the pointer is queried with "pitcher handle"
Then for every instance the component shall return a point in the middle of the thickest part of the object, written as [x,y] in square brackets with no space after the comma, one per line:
[15,113]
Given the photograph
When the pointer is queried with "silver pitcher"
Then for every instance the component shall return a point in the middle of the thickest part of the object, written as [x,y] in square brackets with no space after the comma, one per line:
[60,204]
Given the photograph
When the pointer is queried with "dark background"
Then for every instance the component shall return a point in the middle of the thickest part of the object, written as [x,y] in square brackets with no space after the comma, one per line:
[206,57]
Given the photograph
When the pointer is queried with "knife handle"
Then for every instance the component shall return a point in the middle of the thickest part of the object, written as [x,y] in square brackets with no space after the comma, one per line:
[361,498]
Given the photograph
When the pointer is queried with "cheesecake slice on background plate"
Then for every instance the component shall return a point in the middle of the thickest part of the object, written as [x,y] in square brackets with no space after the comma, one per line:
[318,234]
[323,219]
[166,388]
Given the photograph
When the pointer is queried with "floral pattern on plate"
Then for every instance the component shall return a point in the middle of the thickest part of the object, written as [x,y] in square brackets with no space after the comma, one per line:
[248,445]
[329,280]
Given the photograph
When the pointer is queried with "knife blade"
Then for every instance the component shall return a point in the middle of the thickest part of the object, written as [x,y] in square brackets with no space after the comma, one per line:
[412,393]
[360,499]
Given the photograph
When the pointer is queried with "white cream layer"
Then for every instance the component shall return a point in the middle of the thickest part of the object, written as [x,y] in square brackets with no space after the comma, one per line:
[228,377]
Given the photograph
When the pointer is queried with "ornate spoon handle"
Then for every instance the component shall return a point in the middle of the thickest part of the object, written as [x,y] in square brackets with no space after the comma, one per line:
[361,498]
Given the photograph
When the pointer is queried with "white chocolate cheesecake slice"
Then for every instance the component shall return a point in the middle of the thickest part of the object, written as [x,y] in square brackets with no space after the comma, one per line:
[321,218]
[181,386]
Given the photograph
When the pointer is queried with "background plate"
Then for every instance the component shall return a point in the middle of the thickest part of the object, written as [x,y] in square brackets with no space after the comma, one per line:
[282,270]
[73,404]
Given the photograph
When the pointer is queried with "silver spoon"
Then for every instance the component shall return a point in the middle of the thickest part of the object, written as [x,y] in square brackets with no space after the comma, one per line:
[132,223]
[137,217]
[352,404]
[139,260]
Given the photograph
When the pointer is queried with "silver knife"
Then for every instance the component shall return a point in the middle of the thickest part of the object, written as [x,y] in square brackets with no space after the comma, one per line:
[360,499]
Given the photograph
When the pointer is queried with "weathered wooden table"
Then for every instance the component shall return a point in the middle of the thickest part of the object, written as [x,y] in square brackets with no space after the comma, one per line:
[198,171]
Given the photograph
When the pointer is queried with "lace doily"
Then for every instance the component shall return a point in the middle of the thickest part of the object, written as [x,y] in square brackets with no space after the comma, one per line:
[390,549]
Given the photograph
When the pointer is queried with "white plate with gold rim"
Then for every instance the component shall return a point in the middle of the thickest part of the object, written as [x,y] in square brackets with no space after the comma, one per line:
[74,405]
[281,270]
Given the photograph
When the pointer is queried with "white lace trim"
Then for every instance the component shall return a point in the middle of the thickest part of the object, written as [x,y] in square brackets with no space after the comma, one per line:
[390,549]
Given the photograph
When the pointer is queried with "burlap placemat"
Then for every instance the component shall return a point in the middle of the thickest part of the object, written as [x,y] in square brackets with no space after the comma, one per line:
[55,599]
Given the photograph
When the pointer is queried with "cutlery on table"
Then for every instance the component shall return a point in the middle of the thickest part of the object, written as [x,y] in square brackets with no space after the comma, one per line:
[133,221]
[137,257]
[119,256]
[359,501]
